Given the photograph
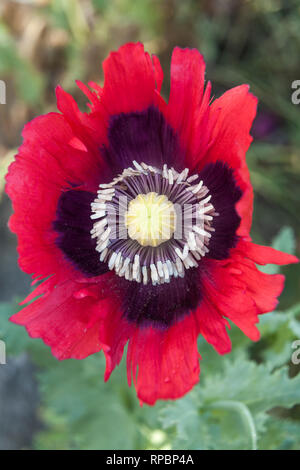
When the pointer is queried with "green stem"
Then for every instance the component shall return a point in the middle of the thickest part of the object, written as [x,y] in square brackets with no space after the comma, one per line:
[245,414]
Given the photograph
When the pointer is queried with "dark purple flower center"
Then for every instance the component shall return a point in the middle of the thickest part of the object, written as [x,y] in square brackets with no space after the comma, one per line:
[153,200]
[159,279]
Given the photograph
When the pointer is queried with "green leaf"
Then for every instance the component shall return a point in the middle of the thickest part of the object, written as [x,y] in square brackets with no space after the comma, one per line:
[229,408]
[96,415]
[278,331]
[282,434]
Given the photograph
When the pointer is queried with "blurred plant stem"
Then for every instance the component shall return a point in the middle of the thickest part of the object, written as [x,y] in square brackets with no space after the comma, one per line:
[245,414]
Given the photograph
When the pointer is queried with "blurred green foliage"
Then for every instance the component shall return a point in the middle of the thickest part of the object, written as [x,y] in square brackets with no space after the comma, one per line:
[29,83]
[246,399]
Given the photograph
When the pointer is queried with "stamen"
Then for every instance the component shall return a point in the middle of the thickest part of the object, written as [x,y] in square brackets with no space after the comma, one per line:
[139,233]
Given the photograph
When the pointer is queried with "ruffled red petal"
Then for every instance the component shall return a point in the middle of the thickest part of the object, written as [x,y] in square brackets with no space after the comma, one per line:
[164,364]
[68,318]
[216,132]
[212,326]
[91,127]
[51,159]
[130,80]
[239,291]
[265,254]
[115,333]
[233,114]
[187,109]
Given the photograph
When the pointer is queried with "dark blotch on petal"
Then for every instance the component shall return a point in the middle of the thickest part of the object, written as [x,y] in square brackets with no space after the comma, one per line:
[163,305]
[73,223]
[143,136]
[219,179]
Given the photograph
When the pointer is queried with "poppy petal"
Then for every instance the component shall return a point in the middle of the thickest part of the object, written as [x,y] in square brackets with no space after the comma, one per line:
[233,114]
[67,320]
[130,80]
[188,109]
[164,364]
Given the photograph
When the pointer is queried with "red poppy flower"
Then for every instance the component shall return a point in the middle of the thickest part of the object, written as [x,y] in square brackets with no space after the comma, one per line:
[137,215]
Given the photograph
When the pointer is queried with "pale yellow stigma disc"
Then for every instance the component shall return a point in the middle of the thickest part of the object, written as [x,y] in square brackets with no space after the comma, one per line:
[150,219]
